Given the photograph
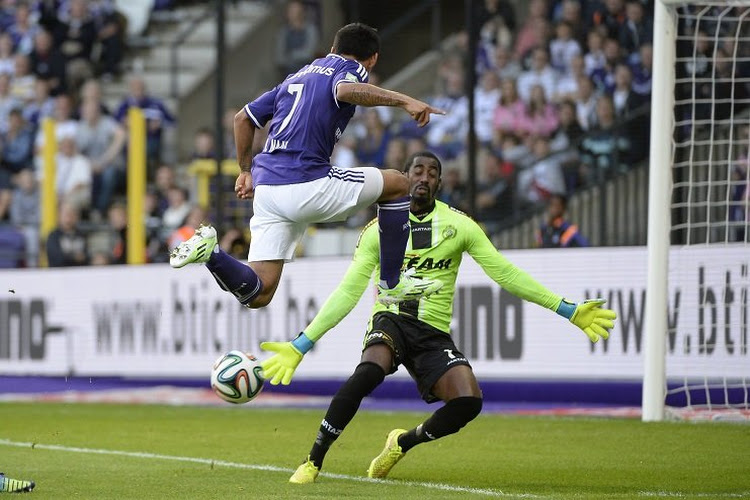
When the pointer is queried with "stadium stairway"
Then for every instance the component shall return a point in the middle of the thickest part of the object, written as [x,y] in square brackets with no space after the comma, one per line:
[189,34]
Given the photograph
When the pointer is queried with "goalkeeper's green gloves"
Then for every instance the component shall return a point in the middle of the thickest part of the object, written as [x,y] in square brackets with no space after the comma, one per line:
[590,317]
[281,366]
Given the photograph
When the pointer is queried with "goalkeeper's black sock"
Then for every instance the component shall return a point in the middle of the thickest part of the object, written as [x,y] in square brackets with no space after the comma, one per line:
[449,419]
[344,405]
[234,276]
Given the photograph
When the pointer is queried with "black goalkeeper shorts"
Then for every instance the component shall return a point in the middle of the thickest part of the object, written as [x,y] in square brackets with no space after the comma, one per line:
[426,352]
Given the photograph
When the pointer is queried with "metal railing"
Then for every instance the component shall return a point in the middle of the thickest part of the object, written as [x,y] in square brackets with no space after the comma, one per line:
[208,12]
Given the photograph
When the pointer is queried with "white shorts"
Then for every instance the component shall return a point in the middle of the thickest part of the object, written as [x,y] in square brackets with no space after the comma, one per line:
[281,213]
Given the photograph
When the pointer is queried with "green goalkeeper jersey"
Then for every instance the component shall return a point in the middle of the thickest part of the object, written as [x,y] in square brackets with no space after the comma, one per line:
[436,246]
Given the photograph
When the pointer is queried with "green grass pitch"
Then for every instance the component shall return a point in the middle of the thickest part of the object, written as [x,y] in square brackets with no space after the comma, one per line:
[155,452]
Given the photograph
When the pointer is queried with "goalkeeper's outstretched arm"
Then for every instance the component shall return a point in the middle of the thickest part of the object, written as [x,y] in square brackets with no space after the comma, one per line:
[589,315]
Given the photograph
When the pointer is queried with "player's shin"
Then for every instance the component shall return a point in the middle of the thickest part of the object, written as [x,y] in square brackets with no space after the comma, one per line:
[449,419]
[234,276]
[344,405]
[393,220]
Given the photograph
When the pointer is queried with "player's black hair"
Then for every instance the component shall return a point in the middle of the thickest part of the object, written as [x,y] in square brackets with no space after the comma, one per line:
[358,40]
[426,154]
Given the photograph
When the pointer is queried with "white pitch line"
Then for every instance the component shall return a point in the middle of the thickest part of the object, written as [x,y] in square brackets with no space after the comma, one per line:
[266,468]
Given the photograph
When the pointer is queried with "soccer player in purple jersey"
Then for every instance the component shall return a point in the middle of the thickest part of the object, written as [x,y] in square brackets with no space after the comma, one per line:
[292,182]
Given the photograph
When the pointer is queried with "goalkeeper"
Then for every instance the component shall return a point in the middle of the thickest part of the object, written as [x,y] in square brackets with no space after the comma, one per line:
[416,333]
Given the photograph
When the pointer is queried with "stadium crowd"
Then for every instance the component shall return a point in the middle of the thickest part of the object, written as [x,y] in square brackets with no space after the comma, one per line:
[561,103]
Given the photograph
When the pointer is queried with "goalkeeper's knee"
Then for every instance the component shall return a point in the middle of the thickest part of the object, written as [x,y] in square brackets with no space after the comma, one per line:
[452,417]
[366,377]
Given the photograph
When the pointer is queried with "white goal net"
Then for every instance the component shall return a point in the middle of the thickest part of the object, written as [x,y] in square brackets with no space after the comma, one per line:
[699,214]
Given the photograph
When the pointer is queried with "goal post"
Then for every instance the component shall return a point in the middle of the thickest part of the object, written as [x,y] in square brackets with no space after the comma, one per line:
[698,216]
[659,201]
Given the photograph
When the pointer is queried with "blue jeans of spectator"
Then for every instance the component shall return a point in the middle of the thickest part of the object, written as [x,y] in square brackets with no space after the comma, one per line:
[104,186]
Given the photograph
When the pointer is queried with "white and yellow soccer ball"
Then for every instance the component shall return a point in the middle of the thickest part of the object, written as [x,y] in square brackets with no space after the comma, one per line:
[237,377]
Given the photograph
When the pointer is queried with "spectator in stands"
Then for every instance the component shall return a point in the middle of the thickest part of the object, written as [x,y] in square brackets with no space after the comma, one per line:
[610,15]
[569,131]
[7,57]
[493,34]
[75,37]
[540,73]
[532,33]
[157,116]
[637,28]
[12,246]
[23,30]
[177,211]
[544,177]
[117,217]
[395,154]
[642,72]
[446,134]
[594,58]
[24,213]
[101,140]
[504,65]
[42,106]
[539,118]
[195,217]
[453,189]
[625,100]
[65,125]
[164,180]
[204,144]
[8,102]
[344,152]
[586,103]
[490,9]
[567,84]
[296,41]
[91,90]
[371,148]
[17,143]
[22,86]
[604,78]
[110,32]
[235,243]
[156,248]
[563,48]
[66,244]
[605,150]
[74,174]
[570,12]
[509,110]
[565,143]
[48,62]
[556,231]
[486,98]
[494,199]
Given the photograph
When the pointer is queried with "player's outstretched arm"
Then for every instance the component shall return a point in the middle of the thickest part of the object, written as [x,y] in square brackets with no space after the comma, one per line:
[365,94]
[280,367]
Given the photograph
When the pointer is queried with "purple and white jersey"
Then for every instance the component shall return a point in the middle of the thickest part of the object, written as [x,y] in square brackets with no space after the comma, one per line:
[306,121]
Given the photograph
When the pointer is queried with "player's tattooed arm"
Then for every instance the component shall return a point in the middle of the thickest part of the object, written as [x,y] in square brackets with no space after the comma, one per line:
[364,94]
[244,133]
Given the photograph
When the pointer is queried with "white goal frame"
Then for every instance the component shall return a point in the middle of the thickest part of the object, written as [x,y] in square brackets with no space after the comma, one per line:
[659,205]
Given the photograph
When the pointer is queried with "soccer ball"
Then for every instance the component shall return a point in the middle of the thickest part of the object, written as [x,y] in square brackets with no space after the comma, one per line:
[237,377]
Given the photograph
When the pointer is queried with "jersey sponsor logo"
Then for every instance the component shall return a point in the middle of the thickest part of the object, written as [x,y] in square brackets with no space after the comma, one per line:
[427,264]
[331,428]
[378,335]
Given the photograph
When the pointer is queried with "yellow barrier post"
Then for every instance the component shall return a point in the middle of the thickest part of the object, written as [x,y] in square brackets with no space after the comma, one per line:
[49,185]
[203,170]
[136,234]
